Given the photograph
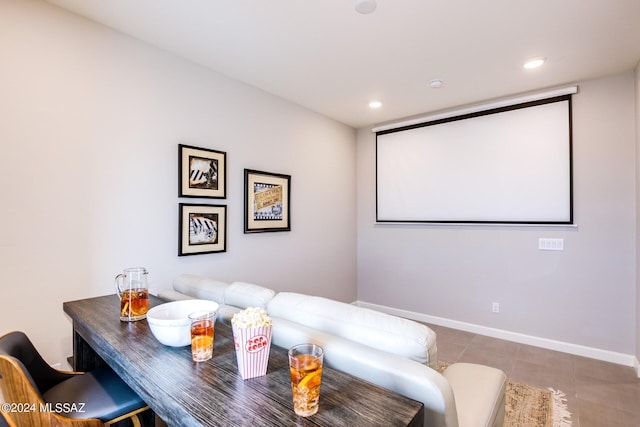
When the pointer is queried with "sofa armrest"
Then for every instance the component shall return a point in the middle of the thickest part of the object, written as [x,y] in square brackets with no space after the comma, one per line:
[479,392]
[393,372]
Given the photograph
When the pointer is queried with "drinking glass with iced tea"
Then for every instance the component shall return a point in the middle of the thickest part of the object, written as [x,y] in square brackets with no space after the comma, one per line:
[202,333]
[305,365]
[133,291]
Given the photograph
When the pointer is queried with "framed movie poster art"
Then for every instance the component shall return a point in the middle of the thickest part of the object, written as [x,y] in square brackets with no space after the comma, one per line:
[266,202]
[203,229]
[201,172]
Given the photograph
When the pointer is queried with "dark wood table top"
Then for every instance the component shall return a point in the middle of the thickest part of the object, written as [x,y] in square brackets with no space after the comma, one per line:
[184,393]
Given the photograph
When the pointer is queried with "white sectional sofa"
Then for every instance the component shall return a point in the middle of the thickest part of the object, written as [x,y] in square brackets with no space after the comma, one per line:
[392,352]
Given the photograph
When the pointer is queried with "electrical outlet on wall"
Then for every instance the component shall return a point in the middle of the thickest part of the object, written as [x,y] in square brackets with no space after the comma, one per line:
[495,307]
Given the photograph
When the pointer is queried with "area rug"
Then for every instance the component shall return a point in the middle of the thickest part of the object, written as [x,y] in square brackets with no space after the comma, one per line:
[535,407]
[528,406]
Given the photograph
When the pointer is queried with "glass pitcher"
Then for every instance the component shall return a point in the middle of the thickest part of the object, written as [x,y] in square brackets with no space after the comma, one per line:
[133,292]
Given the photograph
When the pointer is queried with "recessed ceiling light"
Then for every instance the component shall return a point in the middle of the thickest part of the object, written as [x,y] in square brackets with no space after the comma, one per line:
[436,83]
[375,104]
[534,63]
[365,6]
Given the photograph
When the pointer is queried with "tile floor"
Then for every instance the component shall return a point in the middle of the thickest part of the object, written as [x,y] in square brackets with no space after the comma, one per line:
[599,394]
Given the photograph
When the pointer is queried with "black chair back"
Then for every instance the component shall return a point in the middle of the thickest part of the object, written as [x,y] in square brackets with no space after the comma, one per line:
[40,373]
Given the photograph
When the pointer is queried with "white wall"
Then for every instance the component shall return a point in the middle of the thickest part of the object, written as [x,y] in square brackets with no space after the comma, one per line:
[90,125]
[584,295]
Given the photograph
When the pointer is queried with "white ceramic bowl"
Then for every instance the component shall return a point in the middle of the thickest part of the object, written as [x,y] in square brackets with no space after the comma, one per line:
[170,323]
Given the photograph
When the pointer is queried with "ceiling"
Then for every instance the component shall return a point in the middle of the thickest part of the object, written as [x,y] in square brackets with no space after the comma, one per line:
[327,57]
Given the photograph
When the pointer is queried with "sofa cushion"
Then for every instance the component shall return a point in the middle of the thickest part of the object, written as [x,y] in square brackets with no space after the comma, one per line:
[369,327]
[171,295]
[243,295]
[200,287]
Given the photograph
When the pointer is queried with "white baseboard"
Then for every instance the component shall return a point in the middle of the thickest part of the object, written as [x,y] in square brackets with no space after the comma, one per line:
[579,350]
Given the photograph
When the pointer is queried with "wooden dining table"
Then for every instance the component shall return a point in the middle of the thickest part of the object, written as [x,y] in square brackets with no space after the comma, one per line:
[212,393]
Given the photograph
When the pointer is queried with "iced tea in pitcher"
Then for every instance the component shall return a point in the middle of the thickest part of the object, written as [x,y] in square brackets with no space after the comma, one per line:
[134,304]
[133,291]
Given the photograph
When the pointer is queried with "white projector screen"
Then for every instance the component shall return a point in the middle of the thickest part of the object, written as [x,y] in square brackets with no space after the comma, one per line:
[506,165]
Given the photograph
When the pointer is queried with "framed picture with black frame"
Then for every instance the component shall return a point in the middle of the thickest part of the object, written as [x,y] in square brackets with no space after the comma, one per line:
[267,202]
[202,172]
[202,229]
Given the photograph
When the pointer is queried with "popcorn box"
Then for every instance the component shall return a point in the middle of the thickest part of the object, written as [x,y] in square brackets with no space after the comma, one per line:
[252,339]
[252,350]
